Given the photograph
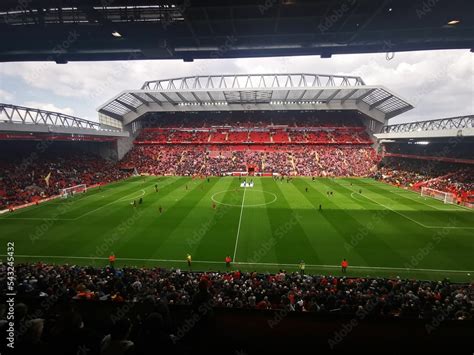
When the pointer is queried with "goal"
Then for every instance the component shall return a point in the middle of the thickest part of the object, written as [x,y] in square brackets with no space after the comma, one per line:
[446,197]
[71,191]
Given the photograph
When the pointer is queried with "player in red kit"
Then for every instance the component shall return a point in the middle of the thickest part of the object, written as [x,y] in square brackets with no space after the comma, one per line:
[344,265]
[228,260]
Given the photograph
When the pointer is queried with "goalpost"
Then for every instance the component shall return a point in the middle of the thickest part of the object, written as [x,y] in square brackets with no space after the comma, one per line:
[446,197]
[71,191]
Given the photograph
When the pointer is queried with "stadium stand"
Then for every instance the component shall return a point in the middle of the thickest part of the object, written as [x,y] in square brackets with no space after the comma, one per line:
[160,302]
[308,145]
[307,161]
[24,172]
[413,173]
[307,293]
[159,294]
[89,310]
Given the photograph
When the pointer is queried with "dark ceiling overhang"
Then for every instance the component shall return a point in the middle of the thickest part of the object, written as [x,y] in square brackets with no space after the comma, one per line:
[73,30]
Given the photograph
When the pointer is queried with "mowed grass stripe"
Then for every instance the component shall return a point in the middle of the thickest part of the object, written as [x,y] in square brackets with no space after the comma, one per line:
[153,228]
[72,208]
[429,204]
[82,235]
[287,229]
[415,197]
[410,242]
[257,240]
[214,239]
[318,238]
[413,210]
[180,239]
[360,232]
[126,224]
[51,234]
[332,240]
[169,225]
[422,246]
[317,229]
[418,211]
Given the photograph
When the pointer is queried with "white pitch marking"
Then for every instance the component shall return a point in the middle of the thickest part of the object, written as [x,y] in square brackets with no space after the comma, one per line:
[238,228]
[241,263]
[419,223]
[407,193]
[255,205]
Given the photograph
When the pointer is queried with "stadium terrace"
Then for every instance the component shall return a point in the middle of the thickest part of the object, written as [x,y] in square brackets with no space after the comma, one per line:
[202,200]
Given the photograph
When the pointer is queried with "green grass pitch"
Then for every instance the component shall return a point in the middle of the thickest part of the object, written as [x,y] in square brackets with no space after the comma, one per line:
[382,231]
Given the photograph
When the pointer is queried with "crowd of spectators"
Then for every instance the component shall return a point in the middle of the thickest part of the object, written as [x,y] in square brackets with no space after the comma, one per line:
[252,135]
[25,180]
[416,173]
[460,182]
[216,144]
[299,292]
[285,159]
[63,330]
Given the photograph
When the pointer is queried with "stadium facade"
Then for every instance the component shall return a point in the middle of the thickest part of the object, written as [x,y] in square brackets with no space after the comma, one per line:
[293,93]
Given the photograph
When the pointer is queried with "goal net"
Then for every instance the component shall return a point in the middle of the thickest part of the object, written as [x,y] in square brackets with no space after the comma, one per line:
[71,191]
[446,197]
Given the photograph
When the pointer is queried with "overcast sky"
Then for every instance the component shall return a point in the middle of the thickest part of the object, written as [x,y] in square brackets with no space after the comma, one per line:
[438,83]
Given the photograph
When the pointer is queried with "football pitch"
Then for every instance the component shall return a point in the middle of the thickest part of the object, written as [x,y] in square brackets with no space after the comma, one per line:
[380,229]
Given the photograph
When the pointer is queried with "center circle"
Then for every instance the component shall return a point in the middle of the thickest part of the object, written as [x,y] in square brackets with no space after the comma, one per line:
[245,204]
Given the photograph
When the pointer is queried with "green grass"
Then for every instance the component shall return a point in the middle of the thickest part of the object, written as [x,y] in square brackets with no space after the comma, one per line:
[381,231]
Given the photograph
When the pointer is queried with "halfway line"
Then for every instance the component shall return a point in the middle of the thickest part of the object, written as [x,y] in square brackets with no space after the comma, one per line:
[238,228]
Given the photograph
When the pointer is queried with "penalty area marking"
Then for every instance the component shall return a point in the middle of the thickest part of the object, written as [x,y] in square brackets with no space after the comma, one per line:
[125,198]
[246,205]
[241,263]
[130,198]
[414,196]
[354,195]
[401,214]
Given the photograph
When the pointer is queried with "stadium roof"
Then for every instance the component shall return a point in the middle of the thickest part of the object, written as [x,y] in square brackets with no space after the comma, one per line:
[68,30]
[461,126]
[25,119]
[256,92]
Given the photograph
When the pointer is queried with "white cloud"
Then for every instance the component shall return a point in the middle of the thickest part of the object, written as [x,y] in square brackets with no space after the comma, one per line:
[5,96]
[438,83]
[49,107]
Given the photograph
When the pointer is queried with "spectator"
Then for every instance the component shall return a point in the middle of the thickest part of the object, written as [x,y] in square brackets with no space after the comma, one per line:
[117,343]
